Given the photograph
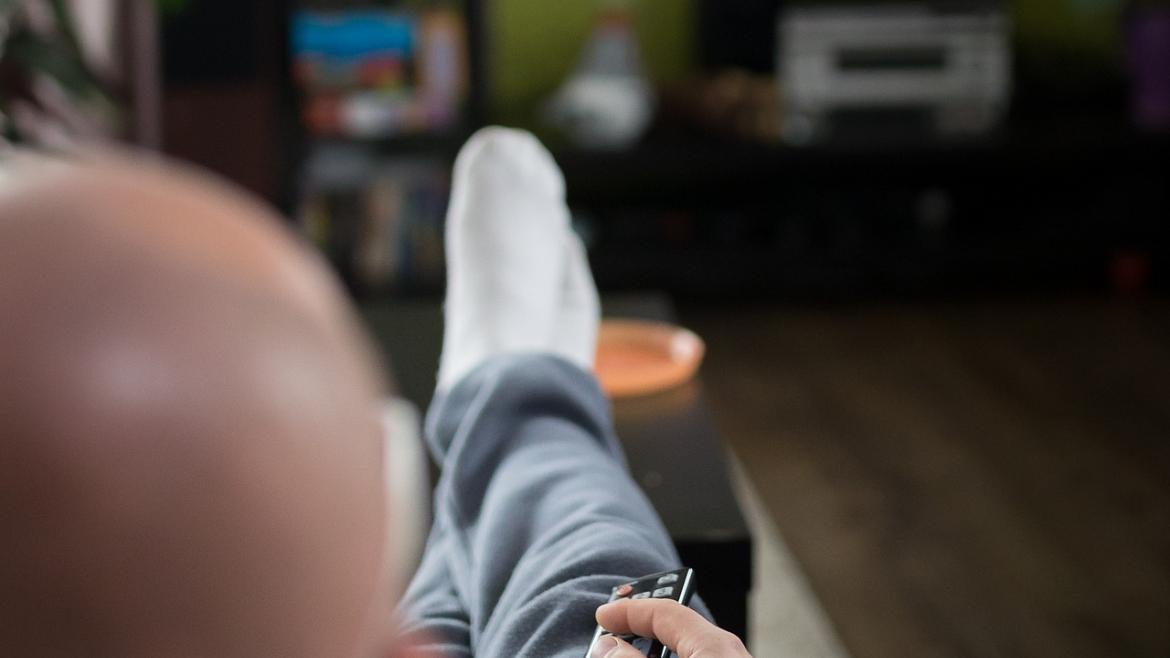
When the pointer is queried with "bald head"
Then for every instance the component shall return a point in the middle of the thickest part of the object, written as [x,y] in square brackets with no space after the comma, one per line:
[189,448]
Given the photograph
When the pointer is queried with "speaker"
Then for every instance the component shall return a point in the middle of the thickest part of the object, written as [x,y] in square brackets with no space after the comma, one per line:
[739,34]
[213,41]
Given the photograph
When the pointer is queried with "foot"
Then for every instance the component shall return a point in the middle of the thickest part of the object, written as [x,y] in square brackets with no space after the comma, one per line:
[517,276]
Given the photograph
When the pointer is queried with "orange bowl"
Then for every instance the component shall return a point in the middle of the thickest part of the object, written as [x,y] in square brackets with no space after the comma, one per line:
[637,357]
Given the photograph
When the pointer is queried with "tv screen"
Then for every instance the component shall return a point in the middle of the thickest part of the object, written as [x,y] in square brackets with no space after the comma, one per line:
[378,72]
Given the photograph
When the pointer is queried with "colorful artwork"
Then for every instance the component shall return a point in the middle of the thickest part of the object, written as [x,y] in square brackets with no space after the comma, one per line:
[372,73]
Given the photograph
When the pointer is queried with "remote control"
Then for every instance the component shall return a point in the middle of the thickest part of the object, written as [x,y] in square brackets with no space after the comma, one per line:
[678,585]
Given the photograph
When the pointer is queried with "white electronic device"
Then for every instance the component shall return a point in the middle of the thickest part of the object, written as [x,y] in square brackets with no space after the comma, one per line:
[954,64]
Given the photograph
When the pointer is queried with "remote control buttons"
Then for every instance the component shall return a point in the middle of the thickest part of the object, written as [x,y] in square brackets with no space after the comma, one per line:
[640,595]
[624,590]
[663,592]
[668,579]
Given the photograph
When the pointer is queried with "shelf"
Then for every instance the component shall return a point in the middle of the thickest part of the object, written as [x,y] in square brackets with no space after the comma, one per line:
[431,142]
[1030,209]
[686,172]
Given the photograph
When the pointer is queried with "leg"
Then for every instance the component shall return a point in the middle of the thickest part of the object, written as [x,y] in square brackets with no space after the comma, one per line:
[536,517]
[433,610]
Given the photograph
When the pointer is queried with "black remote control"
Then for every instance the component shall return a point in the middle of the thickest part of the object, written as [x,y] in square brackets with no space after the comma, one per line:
[678,585]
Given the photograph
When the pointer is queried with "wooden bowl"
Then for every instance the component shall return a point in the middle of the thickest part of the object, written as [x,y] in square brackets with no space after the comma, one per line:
[637,357]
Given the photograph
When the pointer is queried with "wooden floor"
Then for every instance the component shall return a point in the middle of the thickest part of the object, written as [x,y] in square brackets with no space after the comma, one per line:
[981,480]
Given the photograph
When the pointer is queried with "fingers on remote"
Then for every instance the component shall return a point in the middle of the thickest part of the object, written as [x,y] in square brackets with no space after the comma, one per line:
[677,585]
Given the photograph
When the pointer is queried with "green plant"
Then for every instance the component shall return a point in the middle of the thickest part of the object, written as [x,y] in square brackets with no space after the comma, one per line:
[47,90]
[172,6]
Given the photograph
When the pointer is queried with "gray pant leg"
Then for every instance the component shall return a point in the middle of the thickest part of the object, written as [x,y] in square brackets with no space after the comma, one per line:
[434,615]
[536,516]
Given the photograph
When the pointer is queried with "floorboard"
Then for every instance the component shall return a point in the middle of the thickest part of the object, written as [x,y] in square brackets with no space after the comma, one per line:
[978,480]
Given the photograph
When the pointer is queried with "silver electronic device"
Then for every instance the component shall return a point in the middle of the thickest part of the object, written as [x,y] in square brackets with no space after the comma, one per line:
[954,64]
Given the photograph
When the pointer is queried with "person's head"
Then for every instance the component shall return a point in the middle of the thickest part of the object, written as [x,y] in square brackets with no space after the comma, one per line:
[190,453]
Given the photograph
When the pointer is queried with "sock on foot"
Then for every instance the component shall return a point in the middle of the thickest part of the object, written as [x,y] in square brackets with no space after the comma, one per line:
[517,277]
[575,334]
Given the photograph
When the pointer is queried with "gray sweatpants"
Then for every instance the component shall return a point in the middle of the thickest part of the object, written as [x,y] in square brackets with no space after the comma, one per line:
[536,518]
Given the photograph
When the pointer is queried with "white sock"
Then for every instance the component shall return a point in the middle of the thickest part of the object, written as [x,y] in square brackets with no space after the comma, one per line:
[575,334]
[514,268]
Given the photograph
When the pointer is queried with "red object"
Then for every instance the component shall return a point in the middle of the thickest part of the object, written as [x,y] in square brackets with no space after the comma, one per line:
[381,73]
[323,115]
[1130,273]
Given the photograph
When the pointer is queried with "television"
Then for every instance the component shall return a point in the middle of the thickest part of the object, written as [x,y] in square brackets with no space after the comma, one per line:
[380,71]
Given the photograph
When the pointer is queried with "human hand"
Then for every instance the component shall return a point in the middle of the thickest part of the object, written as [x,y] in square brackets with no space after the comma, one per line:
[673,624]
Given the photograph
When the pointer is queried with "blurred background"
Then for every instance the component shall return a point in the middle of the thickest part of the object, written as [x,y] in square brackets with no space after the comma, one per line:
[925,241]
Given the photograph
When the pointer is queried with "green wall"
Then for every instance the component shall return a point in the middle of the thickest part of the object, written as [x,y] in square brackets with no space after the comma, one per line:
[534,44]
[1068,43]
[1069,25]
